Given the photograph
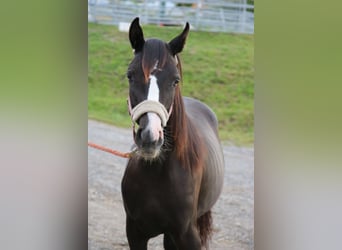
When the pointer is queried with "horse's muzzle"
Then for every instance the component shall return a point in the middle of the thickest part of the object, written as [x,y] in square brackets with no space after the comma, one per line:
[149,137]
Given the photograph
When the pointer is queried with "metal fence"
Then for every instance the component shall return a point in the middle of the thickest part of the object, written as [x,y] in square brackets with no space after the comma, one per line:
[223,16]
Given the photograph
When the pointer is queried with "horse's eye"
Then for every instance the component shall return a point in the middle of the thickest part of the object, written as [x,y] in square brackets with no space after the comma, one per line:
[176,82]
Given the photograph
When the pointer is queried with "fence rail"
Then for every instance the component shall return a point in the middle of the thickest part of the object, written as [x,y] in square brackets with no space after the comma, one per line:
[222,16]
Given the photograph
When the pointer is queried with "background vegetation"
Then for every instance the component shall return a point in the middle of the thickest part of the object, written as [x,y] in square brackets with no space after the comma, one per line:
[217,69]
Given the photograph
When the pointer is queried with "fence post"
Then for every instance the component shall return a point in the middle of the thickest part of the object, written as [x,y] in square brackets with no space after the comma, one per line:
[243,17]
[198,8]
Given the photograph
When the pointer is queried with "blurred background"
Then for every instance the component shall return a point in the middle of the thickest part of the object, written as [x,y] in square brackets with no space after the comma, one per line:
[219,15]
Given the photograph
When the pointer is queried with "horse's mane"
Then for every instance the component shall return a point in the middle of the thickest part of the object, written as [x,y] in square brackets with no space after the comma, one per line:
[188,145]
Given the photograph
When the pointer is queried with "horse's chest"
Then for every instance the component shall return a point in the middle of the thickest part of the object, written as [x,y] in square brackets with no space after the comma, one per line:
[156,198]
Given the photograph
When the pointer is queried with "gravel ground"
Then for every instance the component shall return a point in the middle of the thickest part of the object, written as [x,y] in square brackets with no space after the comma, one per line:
[232,214]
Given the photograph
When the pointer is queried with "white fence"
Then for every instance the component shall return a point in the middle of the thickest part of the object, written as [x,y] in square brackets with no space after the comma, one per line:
[223,16]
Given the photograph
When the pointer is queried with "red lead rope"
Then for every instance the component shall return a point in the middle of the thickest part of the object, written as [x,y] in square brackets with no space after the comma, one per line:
[108,150]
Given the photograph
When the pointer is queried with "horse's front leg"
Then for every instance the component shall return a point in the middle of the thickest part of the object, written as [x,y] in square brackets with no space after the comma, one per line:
[136,239]
[190,240]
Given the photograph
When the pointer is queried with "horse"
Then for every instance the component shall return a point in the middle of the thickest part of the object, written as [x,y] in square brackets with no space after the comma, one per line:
[175,176]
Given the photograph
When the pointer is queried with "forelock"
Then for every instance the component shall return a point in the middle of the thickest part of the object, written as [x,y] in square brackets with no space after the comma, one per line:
[155,54]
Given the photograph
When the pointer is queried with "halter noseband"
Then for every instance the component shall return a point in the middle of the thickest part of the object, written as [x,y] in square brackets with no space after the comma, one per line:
[148,106]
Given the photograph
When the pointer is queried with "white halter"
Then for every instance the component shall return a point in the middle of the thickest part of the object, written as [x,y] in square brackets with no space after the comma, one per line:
[149,106]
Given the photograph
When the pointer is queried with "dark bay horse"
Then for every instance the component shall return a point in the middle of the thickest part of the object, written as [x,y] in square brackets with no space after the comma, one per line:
[176,175]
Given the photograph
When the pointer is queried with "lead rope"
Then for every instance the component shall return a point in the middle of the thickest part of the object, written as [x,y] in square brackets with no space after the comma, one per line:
[115,152]
[111,151]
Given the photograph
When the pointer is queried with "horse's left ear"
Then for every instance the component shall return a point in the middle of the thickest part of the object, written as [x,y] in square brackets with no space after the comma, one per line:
[177,43]
[136,35]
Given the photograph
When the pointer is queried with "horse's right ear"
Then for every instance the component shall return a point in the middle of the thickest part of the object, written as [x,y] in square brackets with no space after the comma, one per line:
[136,36]
[177,43]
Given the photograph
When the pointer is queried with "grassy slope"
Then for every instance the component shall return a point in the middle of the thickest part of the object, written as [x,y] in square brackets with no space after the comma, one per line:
[217,69]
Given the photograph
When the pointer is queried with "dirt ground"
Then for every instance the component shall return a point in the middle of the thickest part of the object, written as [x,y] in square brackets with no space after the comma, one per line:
[232,214]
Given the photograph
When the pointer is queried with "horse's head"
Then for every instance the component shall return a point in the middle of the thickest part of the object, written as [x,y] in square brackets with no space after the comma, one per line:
[153,76]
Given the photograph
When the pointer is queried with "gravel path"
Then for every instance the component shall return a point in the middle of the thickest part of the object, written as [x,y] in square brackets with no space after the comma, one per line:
[232,214]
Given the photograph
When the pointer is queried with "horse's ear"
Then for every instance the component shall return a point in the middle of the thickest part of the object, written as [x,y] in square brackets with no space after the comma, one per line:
[177,43]
[136,35]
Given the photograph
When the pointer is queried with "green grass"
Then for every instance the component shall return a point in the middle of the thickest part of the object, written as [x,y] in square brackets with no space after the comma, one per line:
[217,69]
